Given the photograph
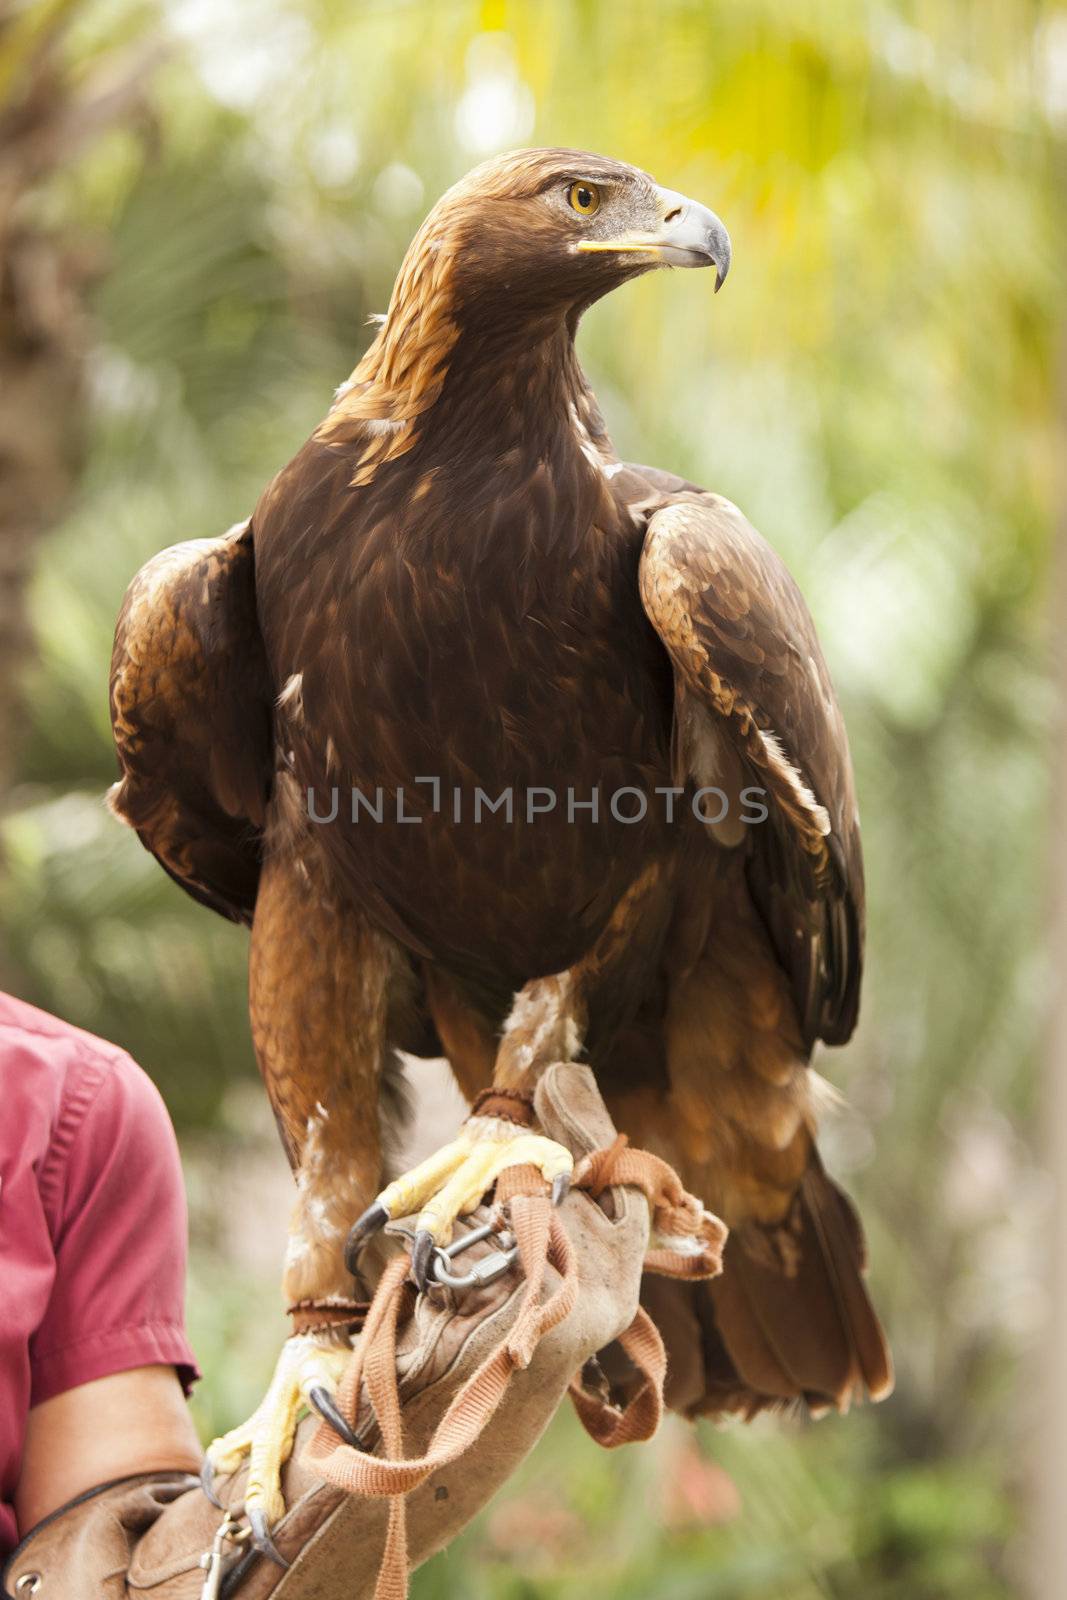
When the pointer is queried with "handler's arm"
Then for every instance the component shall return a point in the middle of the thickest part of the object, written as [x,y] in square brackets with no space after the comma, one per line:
[126,1423]
[110,1359]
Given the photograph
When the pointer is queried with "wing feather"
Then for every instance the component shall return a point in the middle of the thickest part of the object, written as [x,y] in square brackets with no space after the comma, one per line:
[745,654]
[191,718]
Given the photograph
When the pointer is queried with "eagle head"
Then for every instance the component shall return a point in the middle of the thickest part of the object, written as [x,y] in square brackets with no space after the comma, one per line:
[519,247]
[556,229]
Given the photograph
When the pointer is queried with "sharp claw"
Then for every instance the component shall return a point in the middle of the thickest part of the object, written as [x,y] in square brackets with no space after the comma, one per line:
[262,1540]
[373,1218]
[421,1254]
[207,1483]
[326,1406]
[561,1188]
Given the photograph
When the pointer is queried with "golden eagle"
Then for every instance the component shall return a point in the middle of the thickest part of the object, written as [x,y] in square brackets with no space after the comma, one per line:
[510,751]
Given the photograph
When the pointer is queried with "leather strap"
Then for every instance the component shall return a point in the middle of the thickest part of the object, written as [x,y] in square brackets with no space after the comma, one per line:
[346,1316]
[688,1241]
[509,1105]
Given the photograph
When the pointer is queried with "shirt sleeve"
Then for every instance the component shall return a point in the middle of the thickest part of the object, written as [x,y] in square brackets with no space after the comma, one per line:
[120,1236]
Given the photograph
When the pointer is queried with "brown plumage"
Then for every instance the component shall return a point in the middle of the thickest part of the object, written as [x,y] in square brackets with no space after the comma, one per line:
[455,578]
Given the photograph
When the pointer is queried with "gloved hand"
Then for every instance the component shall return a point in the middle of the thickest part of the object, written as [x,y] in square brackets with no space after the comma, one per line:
[160,1533]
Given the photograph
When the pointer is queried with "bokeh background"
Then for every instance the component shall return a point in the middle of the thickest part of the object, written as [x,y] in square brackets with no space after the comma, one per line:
[201,203]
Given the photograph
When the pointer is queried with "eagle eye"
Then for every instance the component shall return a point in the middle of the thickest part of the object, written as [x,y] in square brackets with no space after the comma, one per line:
[584,198]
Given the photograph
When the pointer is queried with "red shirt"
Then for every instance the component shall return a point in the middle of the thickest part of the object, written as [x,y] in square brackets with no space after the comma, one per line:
[92,1224]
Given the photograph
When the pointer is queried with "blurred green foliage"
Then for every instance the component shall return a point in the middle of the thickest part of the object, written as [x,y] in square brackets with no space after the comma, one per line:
[876,388]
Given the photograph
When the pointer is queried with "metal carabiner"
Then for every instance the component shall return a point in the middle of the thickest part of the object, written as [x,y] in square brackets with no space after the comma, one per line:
[487,1270]
[211,1560]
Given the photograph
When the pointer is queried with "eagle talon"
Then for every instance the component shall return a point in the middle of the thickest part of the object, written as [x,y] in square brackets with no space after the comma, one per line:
[265,1441]
[421,1256]
[207,1482]
[324,1403]
[261,1539]
[372,1221]
[454,1182]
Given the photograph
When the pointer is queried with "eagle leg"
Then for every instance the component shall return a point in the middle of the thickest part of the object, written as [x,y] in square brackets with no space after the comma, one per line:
[321,984]
[542,1028]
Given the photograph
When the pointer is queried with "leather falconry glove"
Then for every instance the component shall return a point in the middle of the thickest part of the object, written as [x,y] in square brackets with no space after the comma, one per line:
[447,1391]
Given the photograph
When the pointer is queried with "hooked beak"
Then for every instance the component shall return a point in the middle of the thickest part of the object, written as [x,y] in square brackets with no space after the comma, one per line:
[688,235]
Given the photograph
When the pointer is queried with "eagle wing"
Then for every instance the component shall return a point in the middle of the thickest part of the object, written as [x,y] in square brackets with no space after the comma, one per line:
[191,717]
[790,1319]
[751,683]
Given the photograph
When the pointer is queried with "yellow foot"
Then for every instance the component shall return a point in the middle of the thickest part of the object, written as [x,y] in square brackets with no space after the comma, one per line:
[307,1374]
[452,1183]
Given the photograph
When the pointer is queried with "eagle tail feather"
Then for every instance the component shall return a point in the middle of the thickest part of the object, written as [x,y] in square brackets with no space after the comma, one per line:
[789,1324]
[844,1250]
